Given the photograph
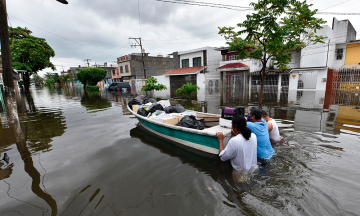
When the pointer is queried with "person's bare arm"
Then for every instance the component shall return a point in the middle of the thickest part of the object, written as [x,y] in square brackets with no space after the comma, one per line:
[270,126]
[221,138]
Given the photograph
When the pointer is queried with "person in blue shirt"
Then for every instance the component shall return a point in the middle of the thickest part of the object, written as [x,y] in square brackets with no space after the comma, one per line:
[260,128]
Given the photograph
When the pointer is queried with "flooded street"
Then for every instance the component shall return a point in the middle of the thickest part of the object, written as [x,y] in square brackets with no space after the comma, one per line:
[85,155]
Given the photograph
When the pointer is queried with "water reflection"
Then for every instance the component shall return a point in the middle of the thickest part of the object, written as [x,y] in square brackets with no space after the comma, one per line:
[94,102]
[109,165]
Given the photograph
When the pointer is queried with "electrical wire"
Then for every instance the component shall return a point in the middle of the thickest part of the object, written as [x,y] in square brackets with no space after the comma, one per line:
[233,7]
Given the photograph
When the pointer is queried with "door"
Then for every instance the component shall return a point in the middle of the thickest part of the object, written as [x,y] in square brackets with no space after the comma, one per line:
[178,81]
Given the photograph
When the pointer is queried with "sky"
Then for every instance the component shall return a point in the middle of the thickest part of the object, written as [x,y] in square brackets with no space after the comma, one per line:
[100,29]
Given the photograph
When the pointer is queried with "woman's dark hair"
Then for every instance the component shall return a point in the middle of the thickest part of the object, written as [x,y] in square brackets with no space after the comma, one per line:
[240,124]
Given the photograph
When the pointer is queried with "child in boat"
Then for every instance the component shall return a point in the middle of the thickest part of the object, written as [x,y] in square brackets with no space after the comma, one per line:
[274,133]
[241,150]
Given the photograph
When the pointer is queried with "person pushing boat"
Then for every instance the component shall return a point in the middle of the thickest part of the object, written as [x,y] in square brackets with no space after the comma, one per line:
[260,128]
[241,149]
[274,133]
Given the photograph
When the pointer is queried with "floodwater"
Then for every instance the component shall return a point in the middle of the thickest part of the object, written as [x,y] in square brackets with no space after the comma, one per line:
[85,155]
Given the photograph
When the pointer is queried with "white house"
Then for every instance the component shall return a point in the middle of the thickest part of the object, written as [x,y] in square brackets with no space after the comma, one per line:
[197,66]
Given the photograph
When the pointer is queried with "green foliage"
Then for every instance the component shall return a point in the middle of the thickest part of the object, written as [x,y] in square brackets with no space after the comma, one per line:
[276,29]
[151,84]
[54,76]
[187,89]
[28,52]
[66,78]
[50,81]
[93,88]
[91,76]
[37,79]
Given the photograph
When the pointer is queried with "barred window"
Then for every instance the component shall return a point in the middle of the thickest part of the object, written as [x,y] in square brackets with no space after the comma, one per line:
[339,54]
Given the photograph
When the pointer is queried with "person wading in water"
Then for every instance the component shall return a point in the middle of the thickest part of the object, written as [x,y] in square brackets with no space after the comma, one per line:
[260,128]
[241,150]
[274,133]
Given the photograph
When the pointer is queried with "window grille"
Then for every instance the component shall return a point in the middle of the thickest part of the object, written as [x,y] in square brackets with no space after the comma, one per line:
[126,68]
[233,57]
[185,63]
[121,70]
[196,61]
[339,54]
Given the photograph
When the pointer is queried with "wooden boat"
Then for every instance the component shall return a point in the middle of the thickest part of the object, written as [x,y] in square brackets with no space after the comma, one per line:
[203,140]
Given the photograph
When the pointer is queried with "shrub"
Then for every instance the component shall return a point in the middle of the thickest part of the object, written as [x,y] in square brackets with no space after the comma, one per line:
[151,84]
[93,88]
[187,89]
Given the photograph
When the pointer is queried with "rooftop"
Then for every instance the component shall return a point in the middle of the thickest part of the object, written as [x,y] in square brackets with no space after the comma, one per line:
[184,71]
[233,65]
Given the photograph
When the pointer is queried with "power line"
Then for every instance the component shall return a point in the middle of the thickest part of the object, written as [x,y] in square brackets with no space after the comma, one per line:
[184,38]
[233,7]
[335,5]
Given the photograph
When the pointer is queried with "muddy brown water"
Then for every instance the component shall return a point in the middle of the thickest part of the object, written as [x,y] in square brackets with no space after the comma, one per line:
[85,155]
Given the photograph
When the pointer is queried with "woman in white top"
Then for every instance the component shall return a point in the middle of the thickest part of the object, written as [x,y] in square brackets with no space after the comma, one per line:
[274,133]
[241,150]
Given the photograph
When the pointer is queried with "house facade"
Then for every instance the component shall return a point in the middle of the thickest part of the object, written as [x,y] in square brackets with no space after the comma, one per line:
[197,66]
[131,66]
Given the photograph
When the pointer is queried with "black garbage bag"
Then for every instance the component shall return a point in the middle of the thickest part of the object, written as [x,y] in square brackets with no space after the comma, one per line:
[177,108]
[149,100]
[191,122]
[156,106]
[142,112]
[134,102]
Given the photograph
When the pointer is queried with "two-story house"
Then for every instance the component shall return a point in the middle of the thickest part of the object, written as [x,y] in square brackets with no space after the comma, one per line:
[197,66]
[132,66]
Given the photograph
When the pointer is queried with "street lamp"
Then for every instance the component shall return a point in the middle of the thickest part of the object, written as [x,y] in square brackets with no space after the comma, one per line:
[62,1]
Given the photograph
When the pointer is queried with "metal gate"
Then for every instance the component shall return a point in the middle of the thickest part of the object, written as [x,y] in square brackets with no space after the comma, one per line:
[307,80]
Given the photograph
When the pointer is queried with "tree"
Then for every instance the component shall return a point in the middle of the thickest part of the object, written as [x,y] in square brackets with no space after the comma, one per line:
[29,53]
[151,84]
[66,78]
[276,29]
[187,89]
[54,76]
[50,81]
[91,76]
[37,79]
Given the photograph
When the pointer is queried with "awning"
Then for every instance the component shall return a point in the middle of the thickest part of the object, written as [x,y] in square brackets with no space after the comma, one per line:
[184,71]
[233,67]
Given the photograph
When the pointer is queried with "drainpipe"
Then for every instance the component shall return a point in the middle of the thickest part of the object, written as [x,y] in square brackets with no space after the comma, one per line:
[327,55]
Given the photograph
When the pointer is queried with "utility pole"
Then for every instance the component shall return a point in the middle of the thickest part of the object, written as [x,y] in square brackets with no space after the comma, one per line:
[138,43]
[10,100]
[87,60]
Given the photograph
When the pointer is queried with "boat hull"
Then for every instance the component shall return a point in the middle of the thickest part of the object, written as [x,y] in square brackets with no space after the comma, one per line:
[200,142]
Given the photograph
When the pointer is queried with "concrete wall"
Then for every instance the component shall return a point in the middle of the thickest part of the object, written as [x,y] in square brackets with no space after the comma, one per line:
[165,80]
[213,61]
[154,66]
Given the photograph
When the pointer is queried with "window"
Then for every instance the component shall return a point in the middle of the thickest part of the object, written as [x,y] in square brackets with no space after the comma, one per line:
[113,72]
[205,57]
[197,61]
[121,70]
[233,57]
[126,68]
[185,63]
[339,54]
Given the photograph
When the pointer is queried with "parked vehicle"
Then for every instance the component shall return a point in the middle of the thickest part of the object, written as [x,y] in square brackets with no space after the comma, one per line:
[123,87]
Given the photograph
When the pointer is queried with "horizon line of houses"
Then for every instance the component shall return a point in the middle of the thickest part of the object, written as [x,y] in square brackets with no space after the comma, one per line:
[207,66]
